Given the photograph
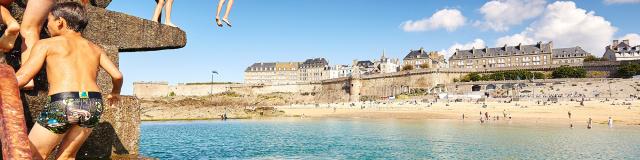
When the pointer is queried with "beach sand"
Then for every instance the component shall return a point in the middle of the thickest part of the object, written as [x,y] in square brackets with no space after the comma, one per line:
[554,113]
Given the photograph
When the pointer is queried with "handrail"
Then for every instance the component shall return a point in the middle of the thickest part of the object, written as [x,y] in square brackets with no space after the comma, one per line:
[13,130]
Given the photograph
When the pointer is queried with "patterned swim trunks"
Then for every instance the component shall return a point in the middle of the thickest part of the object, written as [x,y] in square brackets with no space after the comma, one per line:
[71,108]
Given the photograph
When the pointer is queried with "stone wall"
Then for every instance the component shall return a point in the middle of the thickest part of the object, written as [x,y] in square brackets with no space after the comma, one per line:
[152,90]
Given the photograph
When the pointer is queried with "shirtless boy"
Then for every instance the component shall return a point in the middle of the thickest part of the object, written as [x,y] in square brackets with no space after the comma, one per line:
[72,63]
[34,16]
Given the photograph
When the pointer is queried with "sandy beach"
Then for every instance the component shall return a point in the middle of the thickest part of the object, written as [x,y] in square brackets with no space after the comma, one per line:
[525,112]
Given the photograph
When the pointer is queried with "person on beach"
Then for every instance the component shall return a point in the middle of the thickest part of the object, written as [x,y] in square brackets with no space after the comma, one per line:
[10,35]
[610,122]
[75,103]
[504,113]
[34,17]
[167,11]
[225,19]
[589,123]
[569,113]
[486,115]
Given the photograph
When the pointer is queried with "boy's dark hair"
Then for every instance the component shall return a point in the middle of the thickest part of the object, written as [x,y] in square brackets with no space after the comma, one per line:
[74,13]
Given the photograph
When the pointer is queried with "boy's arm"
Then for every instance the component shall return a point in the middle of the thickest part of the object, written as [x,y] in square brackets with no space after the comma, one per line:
[32,66]
[116,76]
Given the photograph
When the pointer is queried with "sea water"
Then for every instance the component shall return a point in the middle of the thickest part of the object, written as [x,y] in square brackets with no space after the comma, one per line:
[384,139]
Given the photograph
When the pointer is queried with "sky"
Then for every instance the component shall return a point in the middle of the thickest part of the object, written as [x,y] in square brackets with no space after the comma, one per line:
[344,30]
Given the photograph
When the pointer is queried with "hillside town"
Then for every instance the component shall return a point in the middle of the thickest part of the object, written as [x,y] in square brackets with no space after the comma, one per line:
[502,58]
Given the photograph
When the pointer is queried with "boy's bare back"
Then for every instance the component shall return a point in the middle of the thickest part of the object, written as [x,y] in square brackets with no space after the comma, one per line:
[72,64]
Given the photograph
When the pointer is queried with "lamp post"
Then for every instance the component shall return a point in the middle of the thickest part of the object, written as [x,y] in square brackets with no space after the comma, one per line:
[211,84]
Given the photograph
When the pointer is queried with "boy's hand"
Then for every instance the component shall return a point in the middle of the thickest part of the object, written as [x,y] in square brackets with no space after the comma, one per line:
[113,98]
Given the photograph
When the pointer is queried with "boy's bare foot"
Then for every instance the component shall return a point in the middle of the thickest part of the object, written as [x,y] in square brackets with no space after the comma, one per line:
[8,39]
[225,20]
[218,22]
[170,24]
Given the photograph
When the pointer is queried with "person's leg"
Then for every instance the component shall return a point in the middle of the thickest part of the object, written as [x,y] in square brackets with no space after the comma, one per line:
[167,11]
[226,12]
[32,21]
[43,141]
[157,11]
[8,39]
[225,19]
[73,141]
[220,3]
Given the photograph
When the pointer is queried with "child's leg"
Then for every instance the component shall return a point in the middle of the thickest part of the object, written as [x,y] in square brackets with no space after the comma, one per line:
[167,11]
[32,21]
[158,10]
[8,39]
[220,3]
[43,141]
[73,141]
[226,13]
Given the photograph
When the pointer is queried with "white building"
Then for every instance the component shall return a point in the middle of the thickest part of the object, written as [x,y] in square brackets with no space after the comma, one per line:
[387,65]
[340,71]
[622,51]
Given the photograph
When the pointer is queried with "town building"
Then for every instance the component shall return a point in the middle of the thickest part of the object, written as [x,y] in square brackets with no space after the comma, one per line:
[569,56]
[506,56]
[622,51]
[314,69]
[422,59]
[386,65]
[340,71]
[272,73]
[365,67]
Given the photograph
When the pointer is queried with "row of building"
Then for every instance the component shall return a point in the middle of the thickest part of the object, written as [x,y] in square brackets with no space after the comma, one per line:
[538,54]
[317,69]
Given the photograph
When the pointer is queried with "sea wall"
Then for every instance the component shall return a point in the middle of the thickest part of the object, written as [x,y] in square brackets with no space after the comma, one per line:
[163,89]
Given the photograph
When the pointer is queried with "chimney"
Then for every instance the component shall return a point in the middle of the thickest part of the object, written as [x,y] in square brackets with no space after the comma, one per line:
[615,44]
[626,41]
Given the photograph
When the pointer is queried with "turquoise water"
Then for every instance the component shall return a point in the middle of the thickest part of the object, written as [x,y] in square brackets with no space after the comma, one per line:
[383,139]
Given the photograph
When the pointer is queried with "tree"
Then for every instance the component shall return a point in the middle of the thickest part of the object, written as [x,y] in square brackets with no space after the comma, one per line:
[474,77]
[590,58]
[569,72]
[628,70]
[539,75]
[424,65]
[407,67]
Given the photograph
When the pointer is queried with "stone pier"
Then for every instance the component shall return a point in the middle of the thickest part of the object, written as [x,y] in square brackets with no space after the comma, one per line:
[119,130]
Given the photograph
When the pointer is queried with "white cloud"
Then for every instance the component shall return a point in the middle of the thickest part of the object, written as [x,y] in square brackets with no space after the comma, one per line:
[449,19]
[499,15]
[567,26]
[476,43]
[633,38]
[620,1]
[514,40]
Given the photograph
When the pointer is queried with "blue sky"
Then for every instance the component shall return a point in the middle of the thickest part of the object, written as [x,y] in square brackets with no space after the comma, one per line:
[343,30]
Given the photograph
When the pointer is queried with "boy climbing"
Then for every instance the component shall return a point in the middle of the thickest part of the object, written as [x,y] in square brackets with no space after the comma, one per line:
[72,63]
[34,16]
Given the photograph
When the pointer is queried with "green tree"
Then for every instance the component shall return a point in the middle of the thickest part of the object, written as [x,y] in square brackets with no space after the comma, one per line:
[424,65]
[628,70]
[474,77]
[569,72]
[539,75]
[407,67]
[590,58]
